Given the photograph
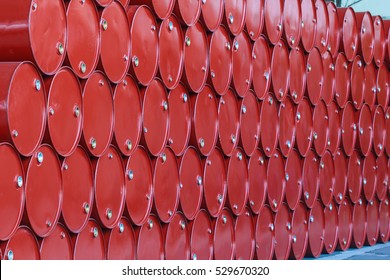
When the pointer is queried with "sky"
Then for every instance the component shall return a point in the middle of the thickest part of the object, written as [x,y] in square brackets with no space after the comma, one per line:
[376,7]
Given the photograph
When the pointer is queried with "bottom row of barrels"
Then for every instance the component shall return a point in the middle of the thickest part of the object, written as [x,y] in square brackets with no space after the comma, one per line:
[284,235]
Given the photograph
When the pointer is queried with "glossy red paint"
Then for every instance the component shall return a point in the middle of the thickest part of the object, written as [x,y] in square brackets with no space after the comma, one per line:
[283,229]
[297,74]
[162,8]
[254,18]
[292,20]
[384,221]
[201,237]
[280,70]
[257,181]
[293,170]
[299,232]
[341,172]
[310,179]
[309,24]
[315,76]
[304,123]
[188,11]
[23,245]
[277,178]
[242,66]
[322,35]
[359,219]
[224,238]
[120,241]
[345,225]
[273,17]
[334,137]
[320,128]
[331,228]
[57,246]
[357,83]
[177,239]
[212,14]
[89,243]
[383,90]
[150,241]
[329,78]
[382,177]
[316,230]
[369,176]
[366,36]
[286,126]
[327,178]
[334,29]
[249,123]
[372,222]
[379,41]
[379,129]
[269,125]
[370,88]
[365,135]
[235,15]
[261,67]
[349,32]
[265,234]
[342,80]
[355,179]
[244,233]
[387,116]
[348,129]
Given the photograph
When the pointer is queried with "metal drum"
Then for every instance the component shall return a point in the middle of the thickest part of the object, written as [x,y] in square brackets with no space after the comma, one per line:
[372,222]
[265,234]
[244,233]
[310,179]
[299,232]
[212,14]
[177,238]
[304,124]
[283,231]
[320,128]
[349,32]
[341,172]
[261,67]
[257,181]
[276,177]
[254,18]
[379,41]
[309,24]
[201,237]
[331,228]
[327,178]
[315,76]
[359,220]
[23,245]
[355,176]
[293,170]
[57,246]
[329,78]
[280,70]
[224,239]
[286,126]
[273,18]
[334,29]
[162,8]
[188,11]
[366,36]
[316,230]
[342,80]
[297,74]
[322,35]
[269,125]
[89,243]
[344,225]
[379,129]
[150,241]
[357,83]
[334,136]
[235,14]
[369,176]
[365,135]
[292,20]
[348,129]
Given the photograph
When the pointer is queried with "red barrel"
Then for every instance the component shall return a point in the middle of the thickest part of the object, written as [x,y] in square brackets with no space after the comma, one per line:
[304,123]
[125,3]
[379,41]
[98,109]
[139,185]
[235,14]
[273,17]
[179,119]
[103,3]
[201,237]
[329,78]
[334,137]
[244,233]
[196,57]
[212,13]
[310,179]
[366,36]
[299,232]
[277,178]
[228,122]
[166,185]
[316,230]
[331,228]
[341,172]
[237,182]
[177,238]
[83,37]
[293,170]
[265,234]
[249,123]
[261,67]
[384,221]
[191,183]
[224,239]
[359,218]
[89,243]
[43,184]
[322,35]
[23,113]
[327,178]
[382,177]
[297,74]
[315,76]
[254,18]
[286,126]
[292,20]
[309,24]
[144,43]
[369,176]
[379,127]
[357,83]
[162,8]
[387,132]
[120,241]
[12,194]
[320,128]
[78,190]
[188,11]
[242,66]
[348,129]
[269,125]
[204,121]
[114,41]
[171,53]
[214,183]
[345,225]
[282,233]
[27,33]
[354,179]
[334,29]
[342,81]
[257,181]
[372,222]
[383,90]
[370,82]
[280,70]
[23,245]
[365,135]
[349,32]
[221,60]
[150,241]
[64,111]
[57,246]
[155,114]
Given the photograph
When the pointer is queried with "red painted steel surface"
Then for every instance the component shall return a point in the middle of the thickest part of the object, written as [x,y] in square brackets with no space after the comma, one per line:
[83,37]
[357,83]
[12,191]
[57,246]
[299,232]
[384,221]
[379,129]
[27,33]
[342,80]
[359,218]
[23,114]
[249,123]
[125,3]
[388,132]
[269,125]
[280,70]
[286,126]
[242,66]
[345,225]
[150,241]
[191,183]
[265,234]
[316,229]
[310,179]
[366,36]
[166,185]
[322,35]
[349,32]
[355,179]
[204,121]
[201,237]
[315,76]
[372,222]
[196,57]
[139,186]
[257,181]
[89,243]
[188,11]
[212,13]
[64,111]
[23,245]
[330,228]
[309,24]
[334,137]
[320,128]
[98,109]
[155,117]
[261,67]
[329,78]
[292,20]
[327,178]
[171,52]
[282,233]
[103,3]
[273,18]
[293,176]
[365,134]
[177,239]
[144,43]
[334,30]
[244,233]
[341,172]
[179,119]
[369,176]
[127,115]
[297,74]
[235,14]
[379,41]
[162,8]
[383,90]
[221,60]
[43,190]
[277,178]
[114,41]
[224,238]
[254,18]
[348,129]
[370,88]
[382,177]
[78,190]
[304,123]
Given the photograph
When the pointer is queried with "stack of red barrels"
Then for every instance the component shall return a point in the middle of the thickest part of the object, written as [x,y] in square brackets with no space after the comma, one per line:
[192,129]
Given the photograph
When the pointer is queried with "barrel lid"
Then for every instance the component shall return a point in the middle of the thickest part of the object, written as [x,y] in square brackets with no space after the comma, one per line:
[286,126]
[384,225]
[189,10]
[383,90]
[309,24]
[322,35]
[242,64]
[265,234]
[280,70]
[201,235]
[369,176]
[23,245]
[372,221]
[334,29]
[379,125]
[365,135]
[297,74]
[293,171]
[120,241]
[269,124]
[304,124]
[348,128]
[331,228]
[277,178]
[89,243]
[316,229]
[349,32]
[273,16]
[282,233]
[367,36]
[150,242]
[261,64]
[357,82]
[315,76]
[334,137]
[224,240]
[212,14]
[359,219]
[57,246]
[244,236]
[345,224]
[342,80]
[387,117]
[370,85]
[257,181]
[341,172]
[299,231]
[310,178]
[354,179]
[320,128]
[379,41]
[329,78]
[177,239]
[292,19]
[254,18]
[382,177]
[249,123]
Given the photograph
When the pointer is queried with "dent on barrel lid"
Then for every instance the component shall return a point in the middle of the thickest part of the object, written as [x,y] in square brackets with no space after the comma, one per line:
[261,67]
[292,19]
[23,245]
